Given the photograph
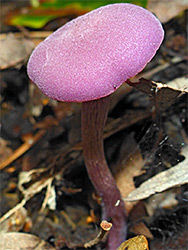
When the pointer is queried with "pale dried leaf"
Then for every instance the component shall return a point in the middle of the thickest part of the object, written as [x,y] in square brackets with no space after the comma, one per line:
[36,187]
[175,176]
[180,83]
[52,199]
[14,51]
[27,176]
[20,241]
[167,9]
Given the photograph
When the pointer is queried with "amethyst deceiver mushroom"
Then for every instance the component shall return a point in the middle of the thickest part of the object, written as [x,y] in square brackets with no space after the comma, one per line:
[85,61]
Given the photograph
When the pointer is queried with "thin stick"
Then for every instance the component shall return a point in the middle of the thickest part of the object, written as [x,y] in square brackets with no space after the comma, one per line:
[13,210]
[22,149]
[37,187]
[105,227]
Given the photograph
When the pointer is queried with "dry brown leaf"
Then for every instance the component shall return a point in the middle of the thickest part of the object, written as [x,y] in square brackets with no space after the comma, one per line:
[129,169]
[20,241]
[175,176]
[161,95]
[137,243]
[14,51]
[167,9]
[141,228]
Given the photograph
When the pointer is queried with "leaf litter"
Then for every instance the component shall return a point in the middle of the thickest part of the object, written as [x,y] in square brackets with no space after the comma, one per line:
[14,51]
[145,131]
[175,176]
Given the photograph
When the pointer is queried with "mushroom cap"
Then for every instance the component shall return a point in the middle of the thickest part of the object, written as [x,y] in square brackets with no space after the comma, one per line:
[91,56]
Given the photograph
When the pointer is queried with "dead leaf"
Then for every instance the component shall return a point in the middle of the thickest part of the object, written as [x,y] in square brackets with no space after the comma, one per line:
[137,243]
[27,176]
[14,51]
[180,83]
[161,95]
[175,176]
[167,9]
[130,167]
[50,197]
[35,187]
[140,228]
[20,241]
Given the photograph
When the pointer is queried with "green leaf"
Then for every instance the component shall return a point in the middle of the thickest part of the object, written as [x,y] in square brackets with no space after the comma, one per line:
[37,17]
[35,22]
[89,4]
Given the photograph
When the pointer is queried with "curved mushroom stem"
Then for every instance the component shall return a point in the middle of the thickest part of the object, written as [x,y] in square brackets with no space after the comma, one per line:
[94,114]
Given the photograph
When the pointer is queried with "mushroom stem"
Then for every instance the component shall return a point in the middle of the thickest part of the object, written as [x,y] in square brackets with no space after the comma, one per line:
[94,115]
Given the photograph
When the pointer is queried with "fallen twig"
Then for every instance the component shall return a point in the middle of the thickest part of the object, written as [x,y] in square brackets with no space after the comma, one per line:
[22,149]
[105,227]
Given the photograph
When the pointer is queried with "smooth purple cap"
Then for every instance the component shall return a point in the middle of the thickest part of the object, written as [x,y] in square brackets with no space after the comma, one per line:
[92,55]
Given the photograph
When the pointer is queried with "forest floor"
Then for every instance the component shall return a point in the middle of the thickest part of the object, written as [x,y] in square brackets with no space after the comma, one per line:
[47,200]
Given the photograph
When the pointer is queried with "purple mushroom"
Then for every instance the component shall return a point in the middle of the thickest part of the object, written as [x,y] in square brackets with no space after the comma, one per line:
[85,61]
